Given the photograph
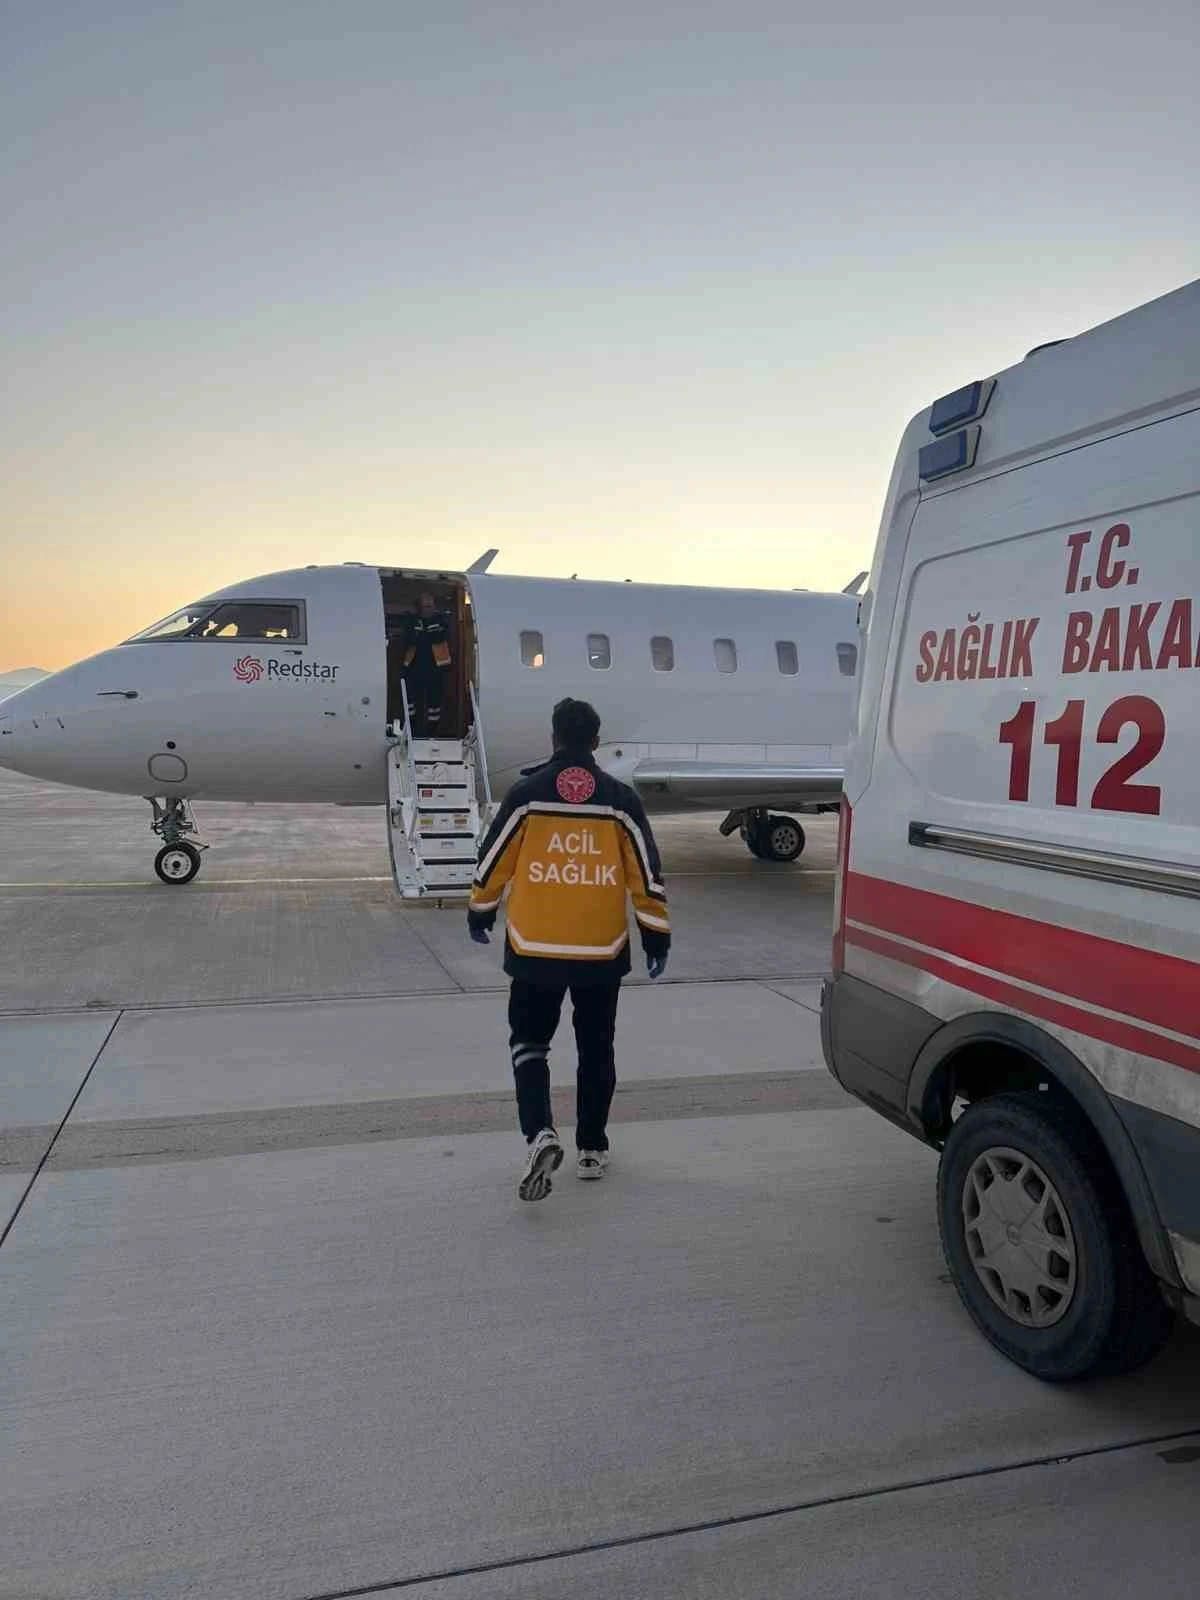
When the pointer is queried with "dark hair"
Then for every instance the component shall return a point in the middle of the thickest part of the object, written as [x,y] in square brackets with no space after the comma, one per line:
[575,724]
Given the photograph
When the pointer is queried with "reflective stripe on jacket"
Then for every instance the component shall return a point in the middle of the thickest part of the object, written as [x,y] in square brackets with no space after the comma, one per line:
[428,638]
[570,844]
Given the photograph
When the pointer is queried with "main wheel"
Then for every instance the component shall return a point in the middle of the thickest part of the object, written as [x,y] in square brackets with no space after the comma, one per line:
[1040,1243]
[752,836]
[177,863]
[781,839]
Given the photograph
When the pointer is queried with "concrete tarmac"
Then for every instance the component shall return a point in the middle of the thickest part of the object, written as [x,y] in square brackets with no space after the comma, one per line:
[273,1323]
[1114,1523]
[296,902]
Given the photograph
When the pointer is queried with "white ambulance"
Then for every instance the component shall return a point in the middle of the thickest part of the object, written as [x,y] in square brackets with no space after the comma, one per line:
[1016,974]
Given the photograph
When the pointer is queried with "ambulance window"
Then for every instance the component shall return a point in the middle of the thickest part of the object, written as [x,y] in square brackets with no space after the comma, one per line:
[786,657]
[599,651]
[725,654]
[533,651]
[662,653]
[847,655]
[251,619]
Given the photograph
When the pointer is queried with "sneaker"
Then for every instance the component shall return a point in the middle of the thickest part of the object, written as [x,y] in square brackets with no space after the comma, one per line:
[545,1157]
[592,1164]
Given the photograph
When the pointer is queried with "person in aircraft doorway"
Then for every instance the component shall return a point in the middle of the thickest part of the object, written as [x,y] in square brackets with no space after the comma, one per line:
[569,844]
[427,666]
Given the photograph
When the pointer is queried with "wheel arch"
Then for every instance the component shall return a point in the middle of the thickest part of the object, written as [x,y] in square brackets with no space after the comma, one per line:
[1001,1052]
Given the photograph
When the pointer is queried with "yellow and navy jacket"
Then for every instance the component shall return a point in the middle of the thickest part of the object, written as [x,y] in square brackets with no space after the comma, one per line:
[570,843]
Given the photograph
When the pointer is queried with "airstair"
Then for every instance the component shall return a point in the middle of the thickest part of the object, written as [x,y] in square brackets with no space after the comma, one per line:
[439,808]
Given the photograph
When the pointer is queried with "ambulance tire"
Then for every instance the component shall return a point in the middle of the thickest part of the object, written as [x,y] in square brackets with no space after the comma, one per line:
[177,863]
[781,839]
[1115,1317]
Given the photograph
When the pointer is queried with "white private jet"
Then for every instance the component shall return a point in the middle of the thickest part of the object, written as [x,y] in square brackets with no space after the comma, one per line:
[284,688]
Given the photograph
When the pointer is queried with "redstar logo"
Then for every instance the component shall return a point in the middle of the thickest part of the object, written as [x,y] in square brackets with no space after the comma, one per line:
[248,669]
[575,785]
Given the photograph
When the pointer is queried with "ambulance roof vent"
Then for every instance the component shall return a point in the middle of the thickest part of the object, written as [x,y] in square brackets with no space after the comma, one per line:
[952,453]
[964,405]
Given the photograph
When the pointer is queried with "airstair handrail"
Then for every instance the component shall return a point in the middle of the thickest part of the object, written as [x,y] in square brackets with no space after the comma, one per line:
[407,713]
[477,735]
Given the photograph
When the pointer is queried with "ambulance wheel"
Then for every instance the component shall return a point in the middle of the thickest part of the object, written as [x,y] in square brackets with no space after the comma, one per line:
[781,839]
[1040,1242]
[177,863]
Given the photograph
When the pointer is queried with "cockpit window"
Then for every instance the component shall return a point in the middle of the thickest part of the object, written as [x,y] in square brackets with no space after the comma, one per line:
[177,627]
[252,619]
[259,620]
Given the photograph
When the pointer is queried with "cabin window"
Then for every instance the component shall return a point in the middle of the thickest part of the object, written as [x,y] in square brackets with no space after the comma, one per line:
[847,658]
[725,655]
[533,649]
[258,620]
[599,651]
[786,657]
[662,653]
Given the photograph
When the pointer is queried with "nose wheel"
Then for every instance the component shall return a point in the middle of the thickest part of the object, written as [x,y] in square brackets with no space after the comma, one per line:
[179,859]
[177,863]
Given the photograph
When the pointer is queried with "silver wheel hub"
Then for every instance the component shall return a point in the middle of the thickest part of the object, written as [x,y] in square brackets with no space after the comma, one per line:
[783,839]
[176,865]
[1019,1237]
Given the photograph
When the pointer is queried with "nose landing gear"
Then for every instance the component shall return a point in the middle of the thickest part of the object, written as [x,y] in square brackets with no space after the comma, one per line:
[177,863]
[179,859]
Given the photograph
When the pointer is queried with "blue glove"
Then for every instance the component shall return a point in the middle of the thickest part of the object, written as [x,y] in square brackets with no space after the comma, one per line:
[656,966]
[481,936]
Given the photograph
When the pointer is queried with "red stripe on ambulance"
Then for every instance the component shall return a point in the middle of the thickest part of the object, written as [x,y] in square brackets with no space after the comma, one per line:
[1142,984]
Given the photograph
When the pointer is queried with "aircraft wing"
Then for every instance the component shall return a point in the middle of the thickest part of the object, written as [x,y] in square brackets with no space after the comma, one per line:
[711,785]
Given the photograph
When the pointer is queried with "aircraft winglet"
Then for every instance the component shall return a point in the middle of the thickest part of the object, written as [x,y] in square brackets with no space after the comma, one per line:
[856,585]
[483,562]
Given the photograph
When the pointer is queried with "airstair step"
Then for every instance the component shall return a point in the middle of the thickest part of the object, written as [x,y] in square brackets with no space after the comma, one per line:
[458,847]
[436,815]
[427,750]
[448,875]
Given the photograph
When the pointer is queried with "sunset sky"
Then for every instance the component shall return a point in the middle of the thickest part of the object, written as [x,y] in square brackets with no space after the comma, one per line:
[634,291]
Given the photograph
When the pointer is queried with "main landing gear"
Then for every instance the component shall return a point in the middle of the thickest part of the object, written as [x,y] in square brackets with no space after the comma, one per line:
[767,837]
[179,859]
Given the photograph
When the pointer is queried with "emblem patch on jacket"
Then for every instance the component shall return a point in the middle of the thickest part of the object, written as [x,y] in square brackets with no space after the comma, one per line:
[576,785]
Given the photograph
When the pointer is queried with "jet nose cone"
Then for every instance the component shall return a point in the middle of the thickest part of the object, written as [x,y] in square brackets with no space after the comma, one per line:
[13,736]
[64,729]
[31,727]
[17,714]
